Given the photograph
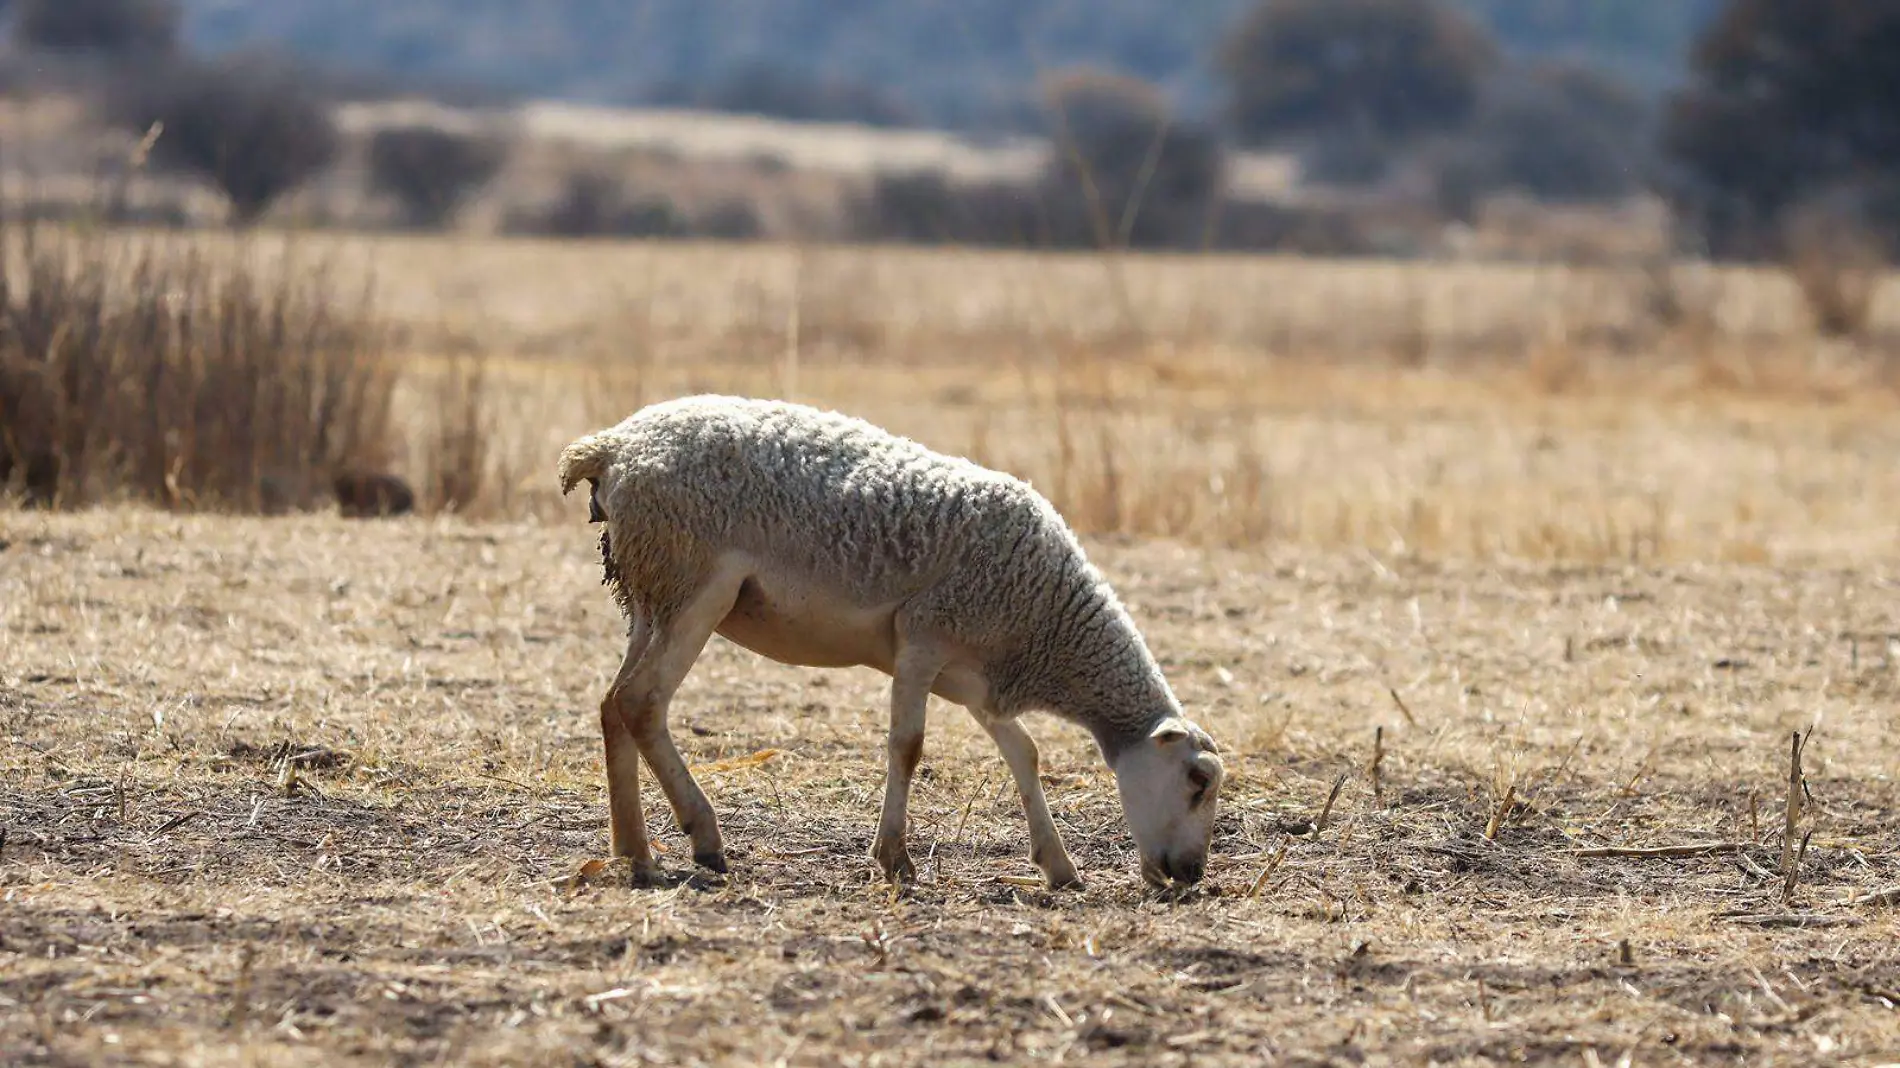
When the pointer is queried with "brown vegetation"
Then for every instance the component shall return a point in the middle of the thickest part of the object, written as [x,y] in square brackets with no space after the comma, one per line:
[372,495]
[161,369]
[1838,263]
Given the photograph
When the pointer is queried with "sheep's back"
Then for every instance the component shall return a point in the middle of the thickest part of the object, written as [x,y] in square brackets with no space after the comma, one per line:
[831,495]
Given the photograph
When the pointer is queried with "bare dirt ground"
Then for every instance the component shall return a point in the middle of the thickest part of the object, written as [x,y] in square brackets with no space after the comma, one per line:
[304,791]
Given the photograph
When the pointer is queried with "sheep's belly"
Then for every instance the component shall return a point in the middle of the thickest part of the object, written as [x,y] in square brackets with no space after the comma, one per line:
[796,622]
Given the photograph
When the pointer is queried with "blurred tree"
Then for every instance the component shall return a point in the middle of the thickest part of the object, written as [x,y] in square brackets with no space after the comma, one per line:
[1143,176]
[1372,74]
[251,125]
[108,27]
[1557,131]
[1789,99]
[432,170]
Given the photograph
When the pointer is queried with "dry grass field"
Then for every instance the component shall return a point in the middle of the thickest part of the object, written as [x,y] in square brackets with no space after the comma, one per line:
[1486,579]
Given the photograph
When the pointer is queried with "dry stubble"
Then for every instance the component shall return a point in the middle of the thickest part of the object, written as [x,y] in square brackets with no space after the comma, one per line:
[403,891]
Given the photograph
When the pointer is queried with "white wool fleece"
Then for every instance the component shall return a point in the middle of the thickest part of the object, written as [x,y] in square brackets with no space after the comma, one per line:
[972,554]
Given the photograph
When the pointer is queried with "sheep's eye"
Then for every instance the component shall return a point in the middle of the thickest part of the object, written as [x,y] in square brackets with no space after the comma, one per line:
[1201,780]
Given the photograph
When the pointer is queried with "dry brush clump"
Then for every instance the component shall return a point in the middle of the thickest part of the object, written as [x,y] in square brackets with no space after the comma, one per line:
[181,374]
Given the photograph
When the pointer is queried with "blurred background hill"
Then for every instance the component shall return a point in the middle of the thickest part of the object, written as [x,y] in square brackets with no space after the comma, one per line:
[1548,129]
[954,63]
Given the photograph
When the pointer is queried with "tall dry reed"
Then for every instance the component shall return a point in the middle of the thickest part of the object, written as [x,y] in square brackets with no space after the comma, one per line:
[167,369]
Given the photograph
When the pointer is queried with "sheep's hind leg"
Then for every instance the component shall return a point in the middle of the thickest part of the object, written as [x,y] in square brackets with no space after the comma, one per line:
[1045,842]
[625,813]
[916,672]
[677,643]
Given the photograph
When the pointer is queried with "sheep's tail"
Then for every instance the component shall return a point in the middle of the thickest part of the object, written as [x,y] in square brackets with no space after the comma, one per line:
[586,458]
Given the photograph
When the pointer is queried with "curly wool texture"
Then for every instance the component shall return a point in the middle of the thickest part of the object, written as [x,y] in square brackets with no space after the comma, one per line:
[970,554]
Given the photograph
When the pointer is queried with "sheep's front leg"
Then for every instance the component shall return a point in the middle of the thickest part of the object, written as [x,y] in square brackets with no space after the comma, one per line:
[1045,842]
[916,673]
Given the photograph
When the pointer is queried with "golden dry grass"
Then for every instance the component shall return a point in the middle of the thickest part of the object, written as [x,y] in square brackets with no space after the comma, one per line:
[305,790]
[1468,410]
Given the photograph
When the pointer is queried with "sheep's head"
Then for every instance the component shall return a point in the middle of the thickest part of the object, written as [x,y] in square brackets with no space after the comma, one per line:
[1170,783]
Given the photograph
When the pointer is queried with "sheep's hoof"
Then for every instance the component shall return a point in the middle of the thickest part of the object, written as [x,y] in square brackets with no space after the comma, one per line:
[1065,880]
[1059,871]
[895,860]
[713,862]
[648,876]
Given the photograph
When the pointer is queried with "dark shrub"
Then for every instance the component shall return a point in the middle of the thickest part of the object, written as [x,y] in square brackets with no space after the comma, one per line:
[431,171]
[372,494]
[729,220]
[250,126]
[1139,176]
[1787,98]
[1373,74]
[1559,133]
[927,208]
[592,204]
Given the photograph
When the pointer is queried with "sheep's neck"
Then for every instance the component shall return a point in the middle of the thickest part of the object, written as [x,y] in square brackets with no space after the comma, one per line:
[1108,681]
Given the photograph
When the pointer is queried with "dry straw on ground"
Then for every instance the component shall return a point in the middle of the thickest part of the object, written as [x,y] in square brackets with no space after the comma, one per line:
[301,789]
[279,790]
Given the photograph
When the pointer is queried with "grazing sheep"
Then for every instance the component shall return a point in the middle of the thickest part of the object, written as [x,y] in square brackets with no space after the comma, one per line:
[816,539]
[366,494]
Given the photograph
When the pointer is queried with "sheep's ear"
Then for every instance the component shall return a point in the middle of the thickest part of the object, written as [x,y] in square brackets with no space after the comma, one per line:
[594,513]
[1168,732]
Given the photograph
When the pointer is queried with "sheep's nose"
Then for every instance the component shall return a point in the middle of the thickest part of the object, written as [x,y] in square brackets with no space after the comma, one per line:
[1188,871]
